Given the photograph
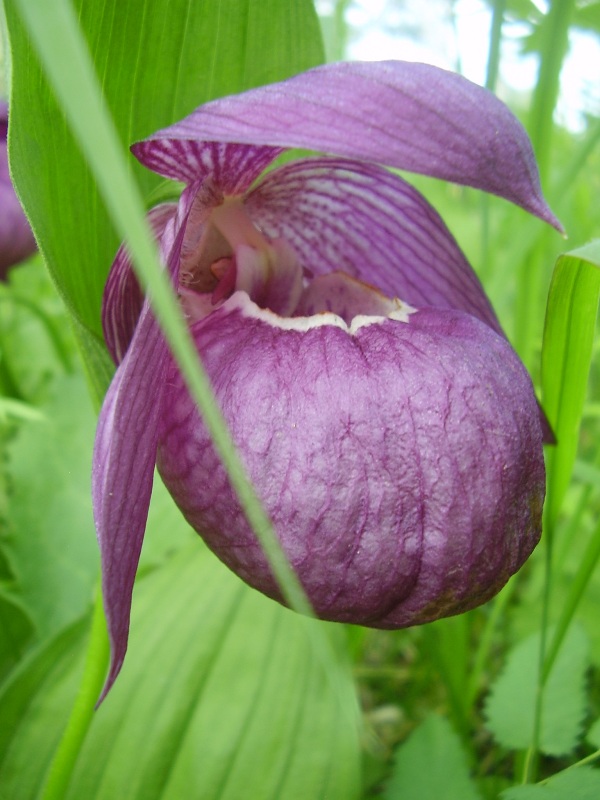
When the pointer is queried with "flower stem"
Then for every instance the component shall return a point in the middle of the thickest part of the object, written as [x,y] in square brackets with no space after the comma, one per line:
[94,673]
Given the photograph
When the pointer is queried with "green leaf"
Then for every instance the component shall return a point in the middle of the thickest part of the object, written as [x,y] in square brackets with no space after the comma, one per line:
[51,541]
[582,783]
[156,60]
[16,630]
[32,709]
[220,697]
[566,355]
[431,763]
[593,735]
[510,707]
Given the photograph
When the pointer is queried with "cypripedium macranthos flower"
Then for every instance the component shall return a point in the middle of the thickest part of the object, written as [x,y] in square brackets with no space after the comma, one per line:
[390,430]
[16,238]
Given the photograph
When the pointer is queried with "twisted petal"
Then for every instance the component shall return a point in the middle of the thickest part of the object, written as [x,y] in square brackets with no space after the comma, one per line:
[405,115]
[371,224]
[401,462]
[125,449]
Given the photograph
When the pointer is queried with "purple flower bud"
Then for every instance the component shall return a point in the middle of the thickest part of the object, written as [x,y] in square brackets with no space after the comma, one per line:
[389,428]
[16,238]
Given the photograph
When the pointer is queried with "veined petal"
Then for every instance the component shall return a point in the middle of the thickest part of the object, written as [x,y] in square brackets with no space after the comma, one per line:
[125,454]
[123,298]
[405,115]
[369,223]
[232,167]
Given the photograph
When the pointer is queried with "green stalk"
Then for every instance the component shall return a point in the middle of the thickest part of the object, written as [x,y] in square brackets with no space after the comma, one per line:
[486,640]
[94,673]
[491,79]
[578,586]
[532,756]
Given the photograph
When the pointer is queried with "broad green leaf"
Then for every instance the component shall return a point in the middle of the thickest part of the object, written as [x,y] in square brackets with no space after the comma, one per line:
[510,707]
[431,763]
[156,60]
[566,356]
[220,697]
[582,783]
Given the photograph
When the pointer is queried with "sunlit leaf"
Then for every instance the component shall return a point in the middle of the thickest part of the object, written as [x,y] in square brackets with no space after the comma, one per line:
[566,356]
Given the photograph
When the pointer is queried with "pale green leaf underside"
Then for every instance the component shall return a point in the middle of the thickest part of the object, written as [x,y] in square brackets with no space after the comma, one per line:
[510,708]
[220,697]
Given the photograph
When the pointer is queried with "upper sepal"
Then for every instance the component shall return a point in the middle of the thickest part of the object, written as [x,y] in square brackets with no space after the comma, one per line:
[410,116]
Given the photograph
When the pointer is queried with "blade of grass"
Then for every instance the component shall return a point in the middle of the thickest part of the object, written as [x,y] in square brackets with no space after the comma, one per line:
[566,356]
[555,40]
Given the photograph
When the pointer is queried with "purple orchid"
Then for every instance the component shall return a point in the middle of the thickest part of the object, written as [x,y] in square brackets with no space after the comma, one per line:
[16,238]
[395,443]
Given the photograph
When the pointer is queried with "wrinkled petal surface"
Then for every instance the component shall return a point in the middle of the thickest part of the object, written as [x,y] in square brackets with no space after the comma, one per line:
[406,115]
[401,463]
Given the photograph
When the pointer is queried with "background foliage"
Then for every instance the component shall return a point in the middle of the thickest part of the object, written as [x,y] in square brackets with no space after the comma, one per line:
[221,695]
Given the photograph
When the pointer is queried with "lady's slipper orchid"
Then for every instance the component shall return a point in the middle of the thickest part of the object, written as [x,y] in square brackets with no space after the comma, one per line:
[16,238]
[395,443]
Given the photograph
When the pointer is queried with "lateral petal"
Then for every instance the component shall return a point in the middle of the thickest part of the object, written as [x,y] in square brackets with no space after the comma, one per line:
[369,223]
[123,297]
[125,455]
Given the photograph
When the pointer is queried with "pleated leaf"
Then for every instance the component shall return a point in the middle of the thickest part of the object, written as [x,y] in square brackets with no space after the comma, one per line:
[220,697]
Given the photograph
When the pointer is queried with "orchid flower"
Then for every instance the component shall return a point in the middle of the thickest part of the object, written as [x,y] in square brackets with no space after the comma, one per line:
[16,238]
[390,430]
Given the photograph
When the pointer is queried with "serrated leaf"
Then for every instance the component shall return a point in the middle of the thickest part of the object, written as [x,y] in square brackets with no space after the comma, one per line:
[582,783]
[431,763]
[220,698]
[510,706]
